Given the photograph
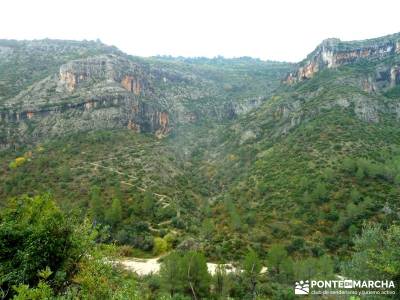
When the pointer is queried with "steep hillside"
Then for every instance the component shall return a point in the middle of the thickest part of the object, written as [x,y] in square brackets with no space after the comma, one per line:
[310,165]
[95,128]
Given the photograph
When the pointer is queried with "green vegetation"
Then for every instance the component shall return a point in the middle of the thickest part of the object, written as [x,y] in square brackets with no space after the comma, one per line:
[296,185]
[186,274]
[57,258]
[44,253]
[377,255]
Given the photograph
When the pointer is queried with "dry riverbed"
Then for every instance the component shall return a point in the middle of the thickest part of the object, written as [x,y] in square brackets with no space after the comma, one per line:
[152,265]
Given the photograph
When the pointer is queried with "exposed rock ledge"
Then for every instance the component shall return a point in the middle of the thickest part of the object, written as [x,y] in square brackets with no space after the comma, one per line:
[333,53]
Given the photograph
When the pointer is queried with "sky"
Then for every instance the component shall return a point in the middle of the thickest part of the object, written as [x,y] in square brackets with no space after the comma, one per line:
[284,30]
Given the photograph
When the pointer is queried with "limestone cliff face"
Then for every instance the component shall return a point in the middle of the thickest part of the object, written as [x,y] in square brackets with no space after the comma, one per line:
[333,53]
[106,112]
[361,89]
[394,75]
[76,72]
[106,91]
[110,68]
[89,86]
[132,84]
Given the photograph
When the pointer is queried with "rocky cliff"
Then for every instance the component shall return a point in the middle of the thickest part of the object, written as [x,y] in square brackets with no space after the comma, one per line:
[333,53]
[106,88]
[106,91]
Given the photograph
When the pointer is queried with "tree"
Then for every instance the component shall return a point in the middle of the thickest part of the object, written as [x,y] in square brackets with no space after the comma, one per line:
[114,215]
[320,192]
[275,257]
[186,273]
[148,204]
[325,267]
[355,195]
[311,267]
[99,279]
[296,245]
[95,204]
[287,270]
[236,222]
[251,271]
[196,278]
[207,229]
[360,173]
[377,255]
[349,165]
[222,282]
[170,272]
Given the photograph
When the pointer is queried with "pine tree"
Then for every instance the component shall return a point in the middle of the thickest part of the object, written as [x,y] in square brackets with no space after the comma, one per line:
[252,268]
[95,204]
[275,257]
[114,215]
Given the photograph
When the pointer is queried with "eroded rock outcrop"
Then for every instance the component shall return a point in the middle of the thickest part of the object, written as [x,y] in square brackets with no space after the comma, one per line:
[132,84]
[78,71]
[394,76]
[99,87]
[333,53]
[162,120]
[104,68]
[107,111]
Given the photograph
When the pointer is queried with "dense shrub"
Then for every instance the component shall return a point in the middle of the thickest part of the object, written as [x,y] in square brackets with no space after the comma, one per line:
[34,236]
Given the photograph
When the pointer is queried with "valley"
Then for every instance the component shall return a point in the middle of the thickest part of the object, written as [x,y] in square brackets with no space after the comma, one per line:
[292,167]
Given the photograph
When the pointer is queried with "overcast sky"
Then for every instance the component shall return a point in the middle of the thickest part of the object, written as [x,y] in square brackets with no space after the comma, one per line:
[269,29]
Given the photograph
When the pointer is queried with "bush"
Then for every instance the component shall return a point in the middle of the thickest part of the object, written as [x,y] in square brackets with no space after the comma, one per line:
[160,246]
[125,250]
[377,255]
[296,245]
[332,243]
[19,161]
[99,279]
[34,236]
[320,193]
[42,292]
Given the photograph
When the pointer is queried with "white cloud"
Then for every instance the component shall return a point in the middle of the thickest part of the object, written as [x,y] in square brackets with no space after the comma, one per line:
[278,30]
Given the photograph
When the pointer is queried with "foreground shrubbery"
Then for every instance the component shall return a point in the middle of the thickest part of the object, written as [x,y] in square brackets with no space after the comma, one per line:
[45,254]
[35,236]
[377,255]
